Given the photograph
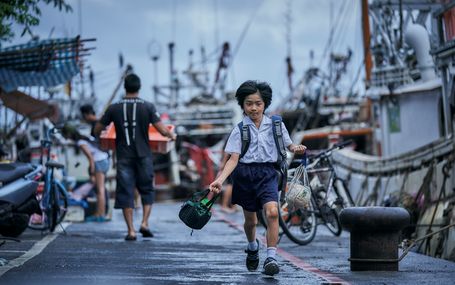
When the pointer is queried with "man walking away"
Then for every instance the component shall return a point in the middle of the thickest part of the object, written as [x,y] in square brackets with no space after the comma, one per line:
[131,117]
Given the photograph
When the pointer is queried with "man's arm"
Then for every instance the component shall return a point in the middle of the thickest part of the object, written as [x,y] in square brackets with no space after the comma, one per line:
[98,128]
[163,130]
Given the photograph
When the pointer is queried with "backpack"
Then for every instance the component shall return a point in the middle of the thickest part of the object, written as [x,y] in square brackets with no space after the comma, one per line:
[281,165]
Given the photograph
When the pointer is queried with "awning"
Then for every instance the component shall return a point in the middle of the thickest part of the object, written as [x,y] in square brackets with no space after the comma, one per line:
[28,106]
[44,63]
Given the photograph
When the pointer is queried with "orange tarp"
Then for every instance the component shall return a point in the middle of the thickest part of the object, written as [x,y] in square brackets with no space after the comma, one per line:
[157,142]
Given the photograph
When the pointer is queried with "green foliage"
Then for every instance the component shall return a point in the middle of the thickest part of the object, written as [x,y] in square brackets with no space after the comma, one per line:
[26,13]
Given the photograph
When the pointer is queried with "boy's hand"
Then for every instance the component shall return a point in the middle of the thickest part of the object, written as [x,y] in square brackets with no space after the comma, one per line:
[215,186]
[298,149]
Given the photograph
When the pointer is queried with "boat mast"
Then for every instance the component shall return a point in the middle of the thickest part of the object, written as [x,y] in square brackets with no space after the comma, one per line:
[366,40]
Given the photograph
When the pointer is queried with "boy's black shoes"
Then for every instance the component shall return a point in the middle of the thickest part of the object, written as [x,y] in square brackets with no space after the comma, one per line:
[271,266]
[252,258]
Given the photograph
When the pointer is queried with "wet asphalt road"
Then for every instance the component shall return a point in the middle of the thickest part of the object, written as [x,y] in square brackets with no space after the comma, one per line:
[96,253]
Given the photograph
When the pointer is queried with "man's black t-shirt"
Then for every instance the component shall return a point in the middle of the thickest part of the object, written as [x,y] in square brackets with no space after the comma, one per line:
[131,117]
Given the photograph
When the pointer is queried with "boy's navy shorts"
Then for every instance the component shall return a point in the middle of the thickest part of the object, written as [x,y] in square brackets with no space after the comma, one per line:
[134,173]
[254,184]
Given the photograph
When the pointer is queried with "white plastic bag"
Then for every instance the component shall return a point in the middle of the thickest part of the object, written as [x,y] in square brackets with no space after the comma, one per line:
[298,195]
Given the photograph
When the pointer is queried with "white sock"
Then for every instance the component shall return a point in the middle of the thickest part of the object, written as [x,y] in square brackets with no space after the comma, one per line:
[271,252]
[253,245]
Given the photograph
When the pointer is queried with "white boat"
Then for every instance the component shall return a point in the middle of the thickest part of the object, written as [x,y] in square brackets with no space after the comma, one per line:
[411,89]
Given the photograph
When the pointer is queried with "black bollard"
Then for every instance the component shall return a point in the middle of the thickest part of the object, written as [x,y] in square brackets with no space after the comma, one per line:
[375,234]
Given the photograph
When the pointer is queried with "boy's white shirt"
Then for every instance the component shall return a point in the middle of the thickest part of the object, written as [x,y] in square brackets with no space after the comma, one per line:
[262,146]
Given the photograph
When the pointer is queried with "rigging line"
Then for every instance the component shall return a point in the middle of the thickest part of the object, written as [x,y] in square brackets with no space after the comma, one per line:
[332,31]
[243,34]
[339,24]
[341,27]
[344,27]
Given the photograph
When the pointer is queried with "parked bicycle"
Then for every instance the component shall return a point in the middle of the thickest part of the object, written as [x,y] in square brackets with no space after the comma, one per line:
[53,198]
[327,199]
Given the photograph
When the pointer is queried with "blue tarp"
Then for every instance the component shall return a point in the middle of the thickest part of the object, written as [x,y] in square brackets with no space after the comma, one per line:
[44,63]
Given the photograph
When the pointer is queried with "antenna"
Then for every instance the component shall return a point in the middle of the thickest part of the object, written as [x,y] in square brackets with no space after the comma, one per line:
[288,23]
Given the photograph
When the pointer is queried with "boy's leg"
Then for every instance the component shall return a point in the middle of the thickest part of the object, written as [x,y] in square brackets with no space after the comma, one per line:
[252,251]
[271,212]
[270,264]
[250,225]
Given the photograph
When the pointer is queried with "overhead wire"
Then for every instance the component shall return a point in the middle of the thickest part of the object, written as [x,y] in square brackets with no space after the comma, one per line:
[340,36]
[333,28]
[243,33]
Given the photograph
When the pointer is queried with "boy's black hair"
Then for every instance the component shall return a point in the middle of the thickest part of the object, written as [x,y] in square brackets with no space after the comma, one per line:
[250,87]
[87,109]
[132,83]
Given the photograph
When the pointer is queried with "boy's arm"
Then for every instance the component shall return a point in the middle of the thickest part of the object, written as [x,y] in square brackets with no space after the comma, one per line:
[231,164]
[226,157]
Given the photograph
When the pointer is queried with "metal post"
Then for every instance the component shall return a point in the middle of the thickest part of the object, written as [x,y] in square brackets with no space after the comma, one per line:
[173,78]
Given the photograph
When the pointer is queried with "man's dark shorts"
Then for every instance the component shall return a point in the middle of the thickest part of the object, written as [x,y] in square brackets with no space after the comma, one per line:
[254,184]
[134,173]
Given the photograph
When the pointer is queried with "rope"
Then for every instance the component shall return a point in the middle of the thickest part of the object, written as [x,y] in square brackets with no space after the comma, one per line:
[442,193]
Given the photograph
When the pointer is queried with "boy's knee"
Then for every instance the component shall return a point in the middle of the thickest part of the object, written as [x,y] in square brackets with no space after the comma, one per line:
[272,213]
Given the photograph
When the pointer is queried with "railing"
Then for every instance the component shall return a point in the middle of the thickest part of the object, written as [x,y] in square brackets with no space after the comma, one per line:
[390,76]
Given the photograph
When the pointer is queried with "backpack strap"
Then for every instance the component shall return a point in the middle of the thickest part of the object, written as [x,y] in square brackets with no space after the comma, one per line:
[245,136]
[278,136]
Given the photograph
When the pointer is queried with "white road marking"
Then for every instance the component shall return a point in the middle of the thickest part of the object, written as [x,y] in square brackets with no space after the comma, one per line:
[36,249]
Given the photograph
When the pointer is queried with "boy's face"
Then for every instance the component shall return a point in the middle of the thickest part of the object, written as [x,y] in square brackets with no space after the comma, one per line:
[254,106]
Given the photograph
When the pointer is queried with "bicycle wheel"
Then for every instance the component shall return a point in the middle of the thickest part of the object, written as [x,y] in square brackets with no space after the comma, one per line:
[58,205]
[329,215]
[344,198]
[331,219]
[299,225]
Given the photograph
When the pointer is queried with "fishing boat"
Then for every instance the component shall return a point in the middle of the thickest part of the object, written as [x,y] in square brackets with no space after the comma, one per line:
[409,48]
[203,114]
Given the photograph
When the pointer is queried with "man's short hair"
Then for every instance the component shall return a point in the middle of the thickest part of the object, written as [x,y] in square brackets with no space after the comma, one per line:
[87,109]
[132,83]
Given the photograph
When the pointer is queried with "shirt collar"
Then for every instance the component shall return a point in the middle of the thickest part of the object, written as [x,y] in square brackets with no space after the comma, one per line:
[265,120]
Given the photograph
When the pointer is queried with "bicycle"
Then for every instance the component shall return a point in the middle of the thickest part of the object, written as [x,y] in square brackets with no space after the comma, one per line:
[299,225]
[53,197]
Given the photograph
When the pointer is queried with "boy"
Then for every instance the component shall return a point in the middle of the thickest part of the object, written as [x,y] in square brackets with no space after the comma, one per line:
[255,181]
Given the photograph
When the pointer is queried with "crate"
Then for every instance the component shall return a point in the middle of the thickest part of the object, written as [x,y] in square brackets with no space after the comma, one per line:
[157,142]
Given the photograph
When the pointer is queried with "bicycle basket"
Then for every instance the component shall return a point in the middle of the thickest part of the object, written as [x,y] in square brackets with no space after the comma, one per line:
[299,192]
[196,214]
